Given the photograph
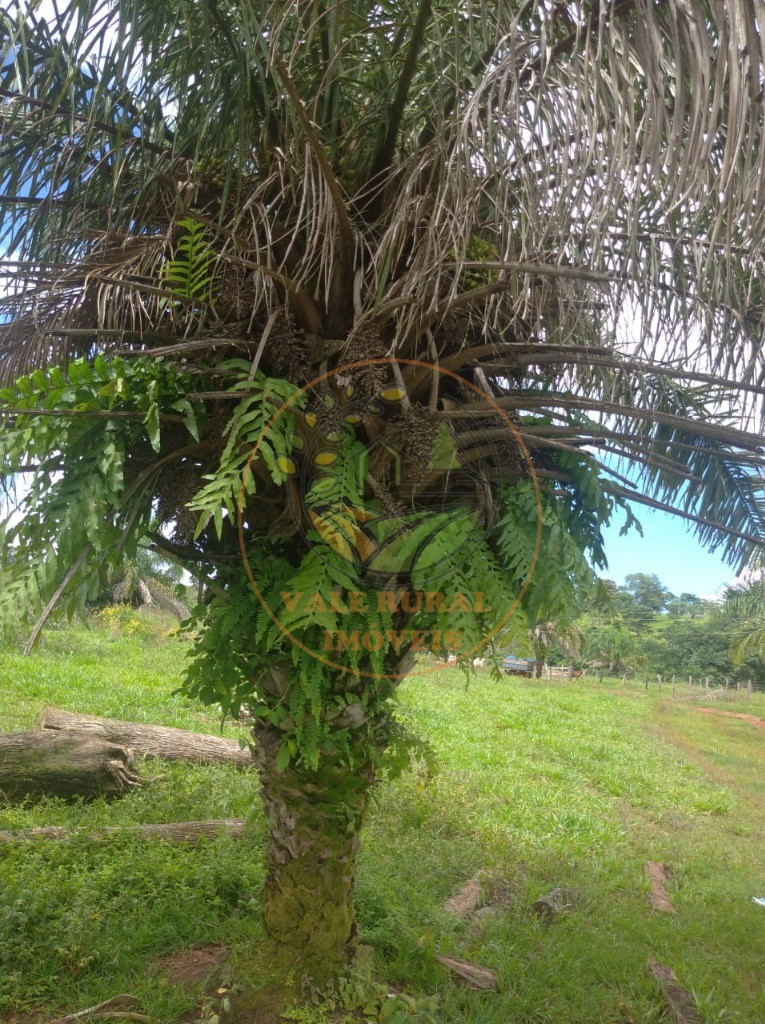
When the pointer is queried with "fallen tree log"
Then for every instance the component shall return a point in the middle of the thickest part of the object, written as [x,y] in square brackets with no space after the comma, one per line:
[175,832]
[151,740]
[551,904]
[658,895]
[475,976]
[66,764]
[680,1001]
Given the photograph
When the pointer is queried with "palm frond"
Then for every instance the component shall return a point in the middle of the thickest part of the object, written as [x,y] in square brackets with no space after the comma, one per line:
[743,609]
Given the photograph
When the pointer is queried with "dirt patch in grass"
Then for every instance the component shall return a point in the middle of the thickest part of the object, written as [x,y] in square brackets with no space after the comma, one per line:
[466,901]
[194,966]
[753,719]
[714,772]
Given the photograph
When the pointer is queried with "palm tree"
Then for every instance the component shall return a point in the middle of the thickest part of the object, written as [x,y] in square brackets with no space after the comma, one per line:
[743,609]
[548,632]
[523,233]
[147,580]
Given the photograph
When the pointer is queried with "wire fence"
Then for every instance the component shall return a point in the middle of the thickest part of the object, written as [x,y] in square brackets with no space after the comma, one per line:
[708,687]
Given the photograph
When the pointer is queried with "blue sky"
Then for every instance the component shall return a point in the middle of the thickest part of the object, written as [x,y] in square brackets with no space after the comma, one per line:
[668,549]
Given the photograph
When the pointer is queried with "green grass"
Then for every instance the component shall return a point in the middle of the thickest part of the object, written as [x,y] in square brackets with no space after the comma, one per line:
[546,785]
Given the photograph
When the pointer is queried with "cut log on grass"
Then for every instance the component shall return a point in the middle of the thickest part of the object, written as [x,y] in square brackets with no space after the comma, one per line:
[680,1001]
[478,977]
[152,740]
[66,764]
[174,832]
[657,876]
[551,904]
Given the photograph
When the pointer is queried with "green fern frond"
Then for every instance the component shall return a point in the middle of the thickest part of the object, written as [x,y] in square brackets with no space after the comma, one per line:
[191,271]
[246,439]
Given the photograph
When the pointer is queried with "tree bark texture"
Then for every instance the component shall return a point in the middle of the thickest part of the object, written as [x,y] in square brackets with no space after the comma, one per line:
[314,820]
[67,764]
[151,740]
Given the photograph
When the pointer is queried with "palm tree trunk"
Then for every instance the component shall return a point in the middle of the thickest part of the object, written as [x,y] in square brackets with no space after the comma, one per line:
[540,655]
[314,819]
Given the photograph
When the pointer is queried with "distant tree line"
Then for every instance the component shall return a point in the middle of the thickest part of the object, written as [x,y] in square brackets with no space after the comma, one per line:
[643,628]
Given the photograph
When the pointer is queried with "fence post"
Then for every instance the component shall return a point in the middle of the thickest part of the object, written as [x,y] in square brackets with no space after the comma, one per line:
[658,680]
[706,682]
[749,687]
[673,684]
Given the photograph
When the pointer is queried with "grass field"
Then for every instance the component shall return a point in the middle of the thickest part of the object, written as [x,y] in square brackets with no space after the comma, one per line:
[544,785]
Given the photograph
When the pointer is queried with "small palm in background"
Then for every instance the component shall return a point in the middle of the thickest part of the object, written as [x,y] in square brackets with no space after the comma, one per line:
[745,605]
[147,581]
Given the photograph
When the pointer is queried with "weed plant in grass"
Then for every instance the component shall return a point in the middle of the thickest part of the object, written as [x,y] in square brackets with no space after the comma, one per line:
[545,785]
